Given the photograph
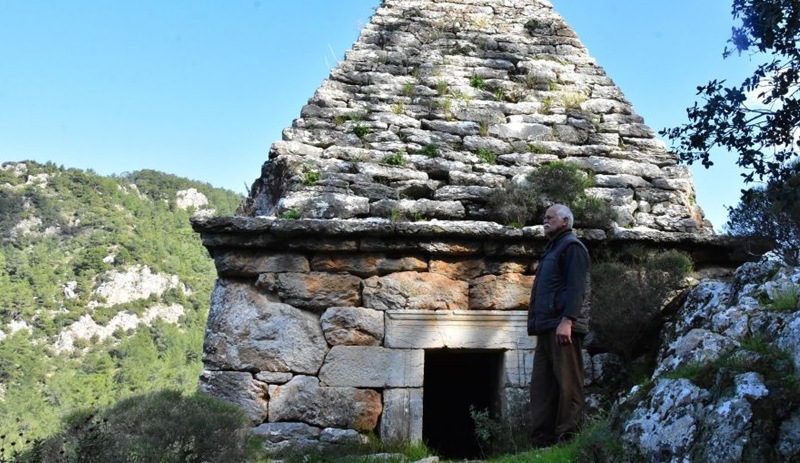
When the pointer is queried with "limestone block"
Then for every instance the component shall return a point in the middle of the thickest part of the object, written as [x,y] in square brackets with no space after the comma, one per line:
[402,415]
[462,192]
[313,291]
[489,180]
[374,191]
[424,208]
[438,167]
[461,128]
[475,142]
[325,205]
[279,432]
[368,366]
[238,388]
[247,263]
[620,181]
[390,172]
[509,291]
[274,377]
[601,165]
[294,148]
[366,265]
[248,331]
[467,268]
[415,291]
[303,399]
[354,326]
[458,329]
[342,436]
[521,131]
[517,367]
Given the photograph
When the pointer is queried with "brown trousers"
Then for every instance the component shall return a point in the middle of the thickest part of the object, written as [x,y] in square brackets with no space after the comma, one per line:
[557,396]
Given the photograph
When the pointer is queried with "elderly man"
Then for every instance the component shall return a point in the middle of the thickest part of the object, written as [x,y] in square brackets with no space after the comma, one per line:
[558,315]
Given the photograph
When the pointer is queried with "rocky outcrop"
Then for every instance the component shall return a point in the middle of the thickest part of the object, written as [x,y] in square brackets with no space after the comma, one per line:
[725,388]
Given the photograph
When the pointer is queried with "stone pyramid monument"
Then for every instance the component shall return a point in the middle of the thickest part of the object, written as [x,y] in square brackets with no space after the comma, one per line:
[367,287]
[441,102]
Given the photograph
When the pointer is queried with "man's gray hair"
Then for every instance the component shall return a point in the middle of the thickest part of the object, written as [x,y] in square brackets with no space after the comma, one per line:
[564,213]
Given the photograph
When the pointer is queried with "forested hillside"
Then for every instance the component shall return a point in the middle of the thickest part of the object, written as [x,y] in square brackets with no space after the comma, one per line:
[104,289]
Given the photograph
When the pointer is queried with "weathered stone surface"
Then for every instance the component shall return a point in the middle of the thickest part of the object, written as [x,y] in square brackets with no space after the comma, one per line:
[414,291]
[248,331]
[314,205]
[313,291]
[237,388]
[467,269]
[352,326]
[246,263]
[365,366]
[367,265]
[342,437]
[274,377]
[508,291]
[518,365]
[303,399]
[402,415]
[458,329]
[670,421]
[278,432]
[713,328]
[420,209]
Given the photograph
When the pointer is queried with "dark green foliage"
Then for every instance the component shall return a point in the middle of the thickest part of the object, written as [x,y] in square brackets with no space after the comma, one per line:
[362,131]
[96,225]
[557,182]
[430,150]
[627,296]
[515,205]
[166,426]
[478,82]
[560,182]
[762,134]
[761,217]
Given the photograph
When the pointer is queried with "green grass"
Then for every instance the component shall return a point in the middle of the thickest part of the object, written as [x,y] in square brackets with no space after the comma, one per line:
[477,82]
[486,156]
[395,159]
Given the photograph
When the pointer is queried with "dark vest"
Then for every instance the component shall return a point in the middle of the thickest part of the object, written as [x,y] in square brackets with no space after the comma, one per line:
[546,310]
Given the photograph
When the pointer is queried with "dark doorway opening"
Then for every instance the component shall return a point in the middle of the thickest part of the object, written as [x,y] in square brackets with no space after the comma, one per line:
[456,379]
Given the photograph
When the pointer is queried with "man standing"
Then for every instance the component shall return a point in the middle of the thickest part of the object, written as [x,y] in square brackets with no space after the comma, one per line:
[559,315]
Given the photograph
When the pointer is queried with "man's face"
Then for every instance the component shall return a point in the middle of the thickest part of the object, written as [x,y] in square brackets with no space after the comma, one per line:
[553,223]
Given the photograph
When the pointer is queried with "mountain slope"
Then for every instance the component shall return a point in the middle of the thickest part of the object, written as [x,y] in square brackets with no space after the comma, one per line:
[104,288]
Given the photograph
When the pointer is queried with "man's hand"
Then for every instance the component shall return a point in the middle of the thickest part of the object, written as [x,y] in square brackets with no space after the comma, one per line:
[564,332]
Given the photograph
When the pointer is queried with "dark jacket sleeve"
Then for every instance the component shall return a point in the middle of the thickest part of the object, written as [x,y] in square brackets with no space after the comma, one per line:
[576,265]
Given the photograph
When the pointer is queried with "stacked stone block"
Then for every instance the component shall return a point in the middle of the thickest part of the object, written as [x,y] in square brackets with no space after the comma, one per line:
[441,103]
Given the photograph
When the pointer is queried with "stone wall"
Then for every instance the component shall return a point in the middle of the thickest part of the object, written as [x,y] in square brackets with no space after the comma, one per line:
[440,103]
[318,328]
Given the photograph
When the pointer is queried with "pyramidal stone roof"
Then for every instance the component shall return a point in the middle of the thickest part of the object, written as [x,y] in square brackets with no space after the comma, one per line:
[441,102]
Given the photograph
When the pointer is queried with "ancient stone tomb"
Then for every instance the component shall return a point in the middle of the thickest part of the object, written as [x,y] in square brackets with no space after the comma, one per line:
[367,287]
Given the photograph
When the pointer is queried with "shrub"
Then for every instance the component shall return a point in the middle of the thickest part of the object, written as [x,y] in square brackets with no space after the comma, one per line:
[592,212]
[507,433]
[627,296]
[560,182]
[165,426]
[515,204]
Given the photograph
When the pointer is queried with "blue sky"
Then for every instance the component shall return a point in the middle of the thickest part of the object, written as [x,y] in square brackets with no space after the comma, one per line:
[202,88]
